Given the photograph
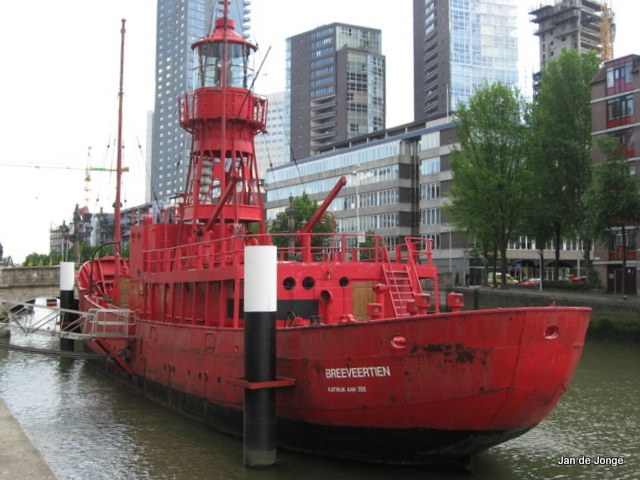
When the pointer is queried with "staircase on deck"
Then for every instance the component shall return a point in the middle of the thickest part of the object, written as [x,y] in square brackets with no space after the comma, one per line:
[402,279]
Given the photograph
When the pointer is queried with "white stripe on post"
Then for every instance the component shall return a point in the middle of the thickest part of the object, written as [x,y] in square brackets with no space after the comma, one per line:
[67,272]
[260,278]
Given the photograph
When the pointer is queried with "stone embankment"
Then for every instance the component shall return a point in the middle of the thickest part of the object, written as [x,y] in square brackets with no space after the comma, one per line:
[19,457]
[611,313]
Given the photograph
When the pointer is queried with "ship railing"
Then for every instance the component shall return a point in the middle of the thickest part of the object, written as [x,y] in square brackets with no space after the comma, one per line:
[109,323]
[307,247]
[226,252]
[323,247]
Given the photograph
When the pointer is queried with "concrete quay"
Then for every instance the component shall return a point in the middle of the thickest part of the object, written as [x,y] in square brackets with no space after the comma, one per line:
[19,457]
[613,314]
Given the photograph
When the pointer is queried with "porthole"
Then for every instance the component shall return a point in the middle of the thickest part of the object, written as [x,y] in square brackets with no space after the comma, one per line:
[308,282]
[288,283]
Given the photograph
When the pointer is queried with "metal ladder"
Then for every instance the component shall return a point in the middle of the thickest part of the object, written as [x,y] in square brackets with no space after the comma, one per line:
[400,288]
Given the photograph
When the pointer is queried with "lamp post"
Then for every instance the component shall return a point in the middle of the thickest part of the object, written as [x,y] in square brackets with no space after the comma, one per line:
[449,229]
[357,185]
[291,227]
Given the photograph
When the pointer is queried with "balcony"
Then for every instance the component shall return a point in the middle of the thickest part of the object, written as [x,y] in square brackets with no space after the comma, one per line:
[616,255]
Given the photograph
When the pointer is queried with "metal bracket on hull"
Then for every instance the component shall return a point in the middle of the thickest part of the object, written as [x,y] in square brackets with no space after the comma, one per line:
[280,382]
[118,350]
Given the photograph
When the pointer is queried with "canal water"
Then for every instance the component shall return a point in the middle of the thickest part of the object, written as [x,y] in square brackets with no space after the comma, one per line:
[88,427]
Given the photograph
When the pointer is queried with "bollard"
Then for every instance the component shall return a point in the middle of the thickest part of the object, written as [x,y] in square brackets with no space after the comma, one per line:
[455,302]
[68,302]
[260,303]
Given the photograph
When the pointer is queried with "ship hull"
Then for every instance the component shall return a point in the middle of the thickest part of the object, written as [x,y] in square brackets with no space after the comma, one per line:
[436,389]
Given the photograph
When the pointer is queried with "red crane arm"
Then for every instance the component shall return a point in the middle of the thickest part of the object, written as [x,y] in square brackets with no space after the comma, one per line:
[323,208]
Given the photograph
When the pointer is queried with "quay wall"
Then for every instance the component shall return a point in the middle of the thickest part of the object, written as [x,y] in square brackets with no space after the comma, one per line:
[24,283]
[611,313]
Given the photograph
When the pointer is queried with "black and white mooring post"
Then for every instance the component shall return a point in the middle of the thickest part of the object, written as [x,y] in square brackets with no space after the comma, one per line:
[67,302]
[260,304]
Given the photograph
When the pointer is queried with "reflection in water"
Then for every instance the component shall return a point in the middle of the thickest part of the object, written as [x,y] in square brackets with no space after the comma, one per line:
[88,427]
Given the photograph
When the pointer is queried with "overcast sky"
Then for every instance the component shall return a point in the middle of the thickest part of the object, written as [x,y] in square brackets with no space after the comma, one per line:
[60,85]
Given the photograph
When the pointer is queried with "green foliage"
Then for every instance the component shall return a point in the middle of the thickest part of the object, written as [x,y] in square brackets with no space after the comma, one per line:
[489,168]
[560,149]
[38,260]
[54,258]
[366,252]
[613,198]
[303,210]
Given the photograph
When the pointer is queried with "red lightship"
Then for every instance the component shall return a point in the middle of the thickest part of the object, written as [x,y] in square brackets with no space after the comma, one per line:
[369,368]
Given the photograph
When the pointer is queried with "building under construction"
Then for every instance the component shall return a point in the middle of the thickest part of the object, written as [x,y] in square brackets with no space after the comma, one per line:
[578,24]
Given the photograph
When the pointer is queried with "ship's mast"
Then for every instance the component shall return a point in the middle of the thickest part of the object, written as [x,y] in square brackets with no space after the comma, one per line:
[223,117]
[117,234]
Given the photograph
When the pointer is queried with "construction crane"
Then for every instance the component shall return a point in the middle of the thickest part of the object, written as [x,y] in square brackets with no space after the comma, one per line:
[87,177]
[61,167]
[608,31]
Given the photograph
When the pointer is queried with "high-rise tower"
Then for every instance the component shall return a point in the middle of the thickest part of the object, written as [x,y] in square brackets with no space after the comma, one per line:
[578,24]
[335,86]
[458,45]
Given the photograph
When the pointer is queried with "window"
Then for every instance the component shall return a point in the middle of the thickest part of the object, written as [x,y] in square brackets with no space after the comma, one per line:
[620,110]
[620,77]
[430,216]
[429,191]
[429,166]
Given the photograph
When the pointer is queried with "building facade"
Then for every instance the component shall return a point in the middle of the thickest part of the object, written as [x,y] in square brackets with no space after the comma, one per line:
[335,86]
[397,183]
[459,45]
[179,25]
[615,112]
[273,146]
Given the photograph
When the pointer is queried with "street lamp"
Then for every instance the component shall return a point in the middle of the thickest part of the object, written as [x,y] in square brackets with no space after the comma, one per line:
[357,184]
[291,226]
[449,229]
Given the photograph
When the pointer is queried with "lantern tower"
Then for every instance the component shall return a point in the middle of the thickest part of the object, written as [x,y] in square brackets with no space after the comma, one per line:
[223,116]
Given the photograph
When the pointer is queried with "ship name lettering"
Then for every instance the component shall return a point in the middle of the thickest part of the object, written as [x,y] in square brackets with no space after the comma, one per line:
[358,372]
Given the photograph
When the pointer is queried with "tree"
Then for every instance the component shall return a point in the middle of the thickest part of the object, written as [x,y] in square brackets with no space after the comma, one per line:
[488,168]
[299,212]
[560,155]
[613,199]
[38,260]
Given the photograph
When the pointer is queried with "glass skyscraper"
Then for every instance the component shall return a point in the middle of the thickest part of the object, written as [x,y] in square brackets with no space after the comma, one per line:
[458,46]
[179,24]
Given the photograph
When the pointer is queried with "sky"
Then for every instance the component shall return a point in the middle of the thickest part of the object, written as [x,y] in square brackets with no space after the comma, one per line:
[58,113]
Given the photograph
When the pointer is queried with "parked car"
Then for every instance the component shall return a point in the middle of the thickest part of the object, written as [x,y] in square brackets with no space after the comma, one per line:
[533,282]
[575,279]
[510,279]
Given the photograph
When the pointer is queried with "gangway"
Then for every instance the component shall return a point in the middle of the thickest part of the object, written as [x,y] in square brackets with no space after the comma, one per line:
[92,325]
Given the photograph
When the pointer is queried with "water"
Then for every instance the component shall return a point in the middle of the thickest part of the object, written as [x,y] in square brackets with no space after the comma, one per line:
[87,427]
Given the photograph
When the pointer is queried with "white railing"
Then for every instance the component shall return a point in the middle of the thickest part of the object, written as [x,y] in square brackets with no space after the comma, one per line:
[36,318]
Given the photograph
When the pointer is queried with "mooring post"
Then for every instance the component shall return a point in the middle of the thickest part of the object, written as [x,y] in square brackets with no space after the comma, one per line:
[260,302]
[68,302]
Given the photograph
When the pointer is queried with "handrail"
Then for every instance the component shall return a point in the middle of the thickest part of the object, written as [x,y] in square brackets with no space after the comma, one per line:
[343,247]
[95,323]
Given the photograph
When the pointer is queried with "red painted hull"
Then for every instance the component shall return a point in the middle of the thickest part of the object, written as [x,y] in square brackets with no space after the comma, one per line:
[431,389]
